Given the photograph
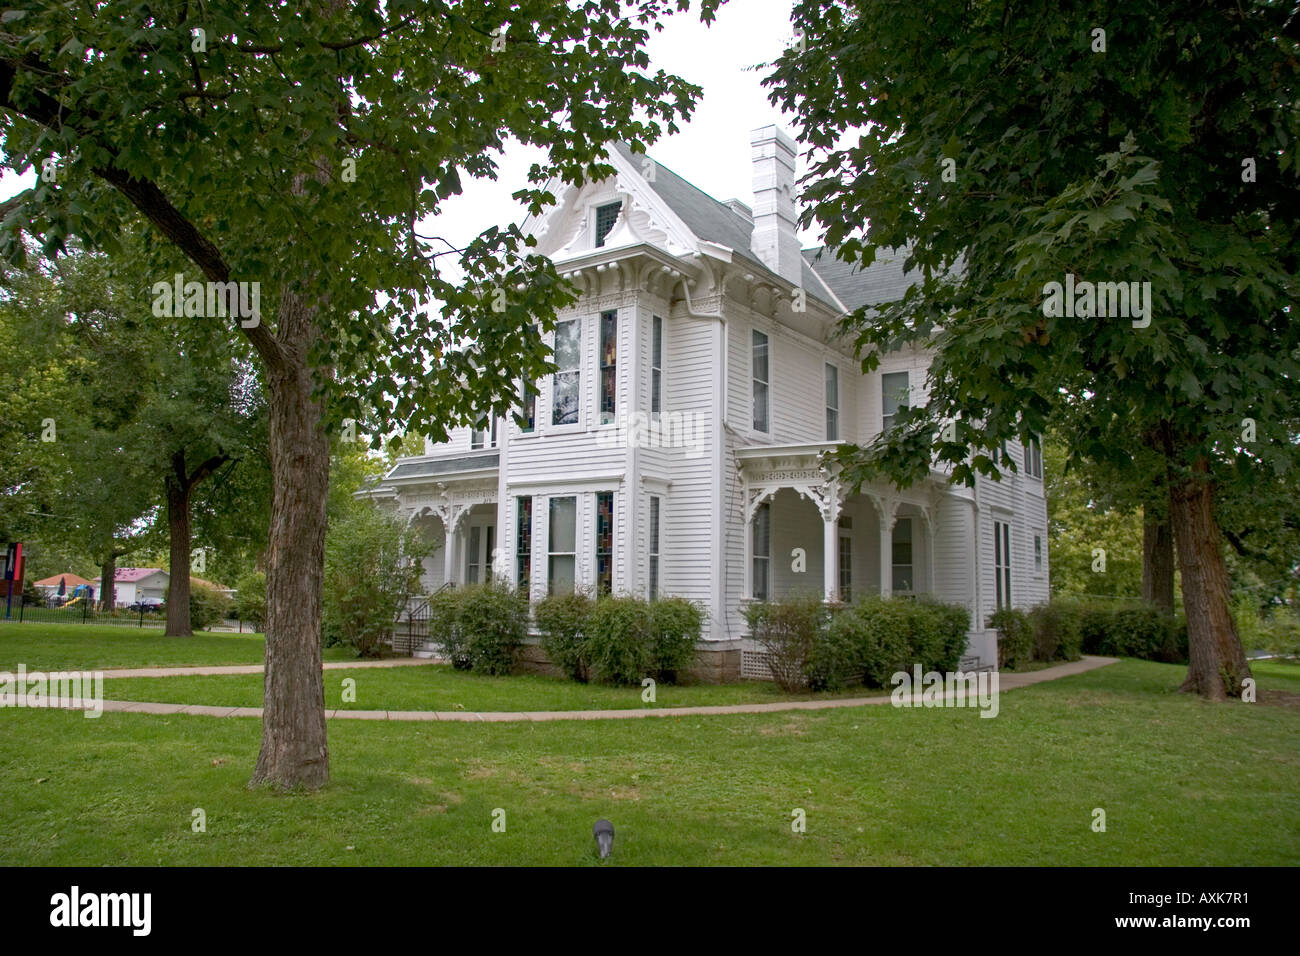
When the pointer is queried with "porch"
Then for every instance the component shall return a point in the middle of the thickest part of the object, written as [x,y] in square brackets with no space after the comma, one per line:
[806,534]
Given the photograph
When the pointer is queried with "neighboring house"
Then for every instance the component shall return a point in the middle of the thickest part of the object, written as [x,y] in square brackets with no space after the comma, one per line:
[677,449]
[131,585]
[212,586]
[49,587]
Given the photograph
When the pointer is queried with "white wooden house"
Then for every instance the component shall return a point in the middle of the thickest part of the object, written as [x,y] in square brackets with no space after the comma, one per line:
[677,451]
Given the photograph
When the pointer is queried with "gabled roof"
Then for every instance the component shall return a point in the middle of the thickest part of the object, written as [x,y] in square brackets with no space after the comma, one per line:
[715,221]
[129,575]
[72,580]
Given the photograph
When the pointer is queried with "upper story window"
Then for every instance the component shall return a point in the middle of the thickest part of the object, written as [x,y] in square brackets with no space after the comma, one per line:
[656,365]
[1034,459]
[568,375]
[832,402]
[760,372]
[480,434]
[606,216]
[608,366]
[893,396]
[527,408]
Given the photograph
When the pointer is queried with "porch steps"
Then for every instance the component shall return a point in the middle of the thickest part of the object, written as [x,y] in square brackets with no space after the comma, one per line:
[427,651]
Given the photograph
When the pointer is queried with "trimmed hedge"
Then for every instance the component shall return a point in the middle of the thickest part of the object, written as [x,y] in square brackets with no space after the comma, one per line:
[481,627]
[810,645]
[619,640]
[562,620]
[1015,637]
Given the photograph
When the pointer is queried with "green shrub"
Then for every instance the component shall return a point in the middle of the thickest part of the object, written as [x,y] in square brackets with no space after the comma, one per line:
[1132,629]
[207,607]
[491,624]
[940,634]
[250,599]
[620,640]
[677,624]
[834,658]
[444,627]
[1015,637]
[787,631]
[562,620]
[1058,633]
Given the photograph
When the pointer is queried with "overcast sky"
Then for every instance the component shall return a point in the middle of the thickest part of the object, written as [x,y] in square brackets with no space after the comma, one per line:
[711,151]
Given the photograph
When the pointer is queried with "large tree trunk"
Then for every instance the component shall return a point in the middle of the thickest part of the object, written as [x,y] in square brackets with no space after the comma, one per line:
[108,582]
[294,752]
[1157,561]
[1216,662]
[178,587]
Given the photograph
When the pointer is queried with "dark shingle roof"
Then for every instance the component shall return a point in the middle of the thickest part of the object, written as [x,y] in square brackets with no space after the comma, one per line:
[715,221]
[444,466]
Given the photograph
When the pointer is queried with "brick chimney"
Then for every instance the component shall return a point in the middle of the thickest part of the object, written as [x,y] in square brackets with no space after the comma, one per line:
[774,241]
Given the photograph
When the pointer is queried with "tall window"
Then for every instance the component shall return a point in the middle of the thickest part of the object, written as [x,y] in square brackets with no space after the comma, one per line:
[1002,563]
[762,571]
[562,548]
[523,541]
[654,547]
[846,566]
[832,402]
[604,542]
[759,367]
[606,216]
[568,361]
[1038,552]
[474,554]
[903,577]
[656,365]
[1034,459]
[608,366]
[893,396]
[527,408]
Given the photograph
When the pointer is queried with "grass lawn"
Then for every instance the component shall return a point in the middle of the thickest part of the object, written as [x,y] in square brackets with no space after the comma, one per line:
[440,687]
[1181,781]
[90,646]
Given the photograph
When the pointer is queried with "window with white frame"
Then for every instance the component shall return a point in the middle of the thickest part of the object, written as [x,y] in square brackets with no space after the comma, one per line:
[523,541]
[832,402]
[1002,563]
[656,365]
[562,546]
[568,375]
[604,542]
[759,371]
[608,366]
[893,396]
[654,547]
[903,575]
[1033,459]
[480,434]
[762,567]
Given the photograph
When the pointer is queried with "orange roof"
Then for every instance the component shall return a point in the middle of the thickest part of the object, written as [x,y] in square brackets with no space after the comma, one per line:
[73,581]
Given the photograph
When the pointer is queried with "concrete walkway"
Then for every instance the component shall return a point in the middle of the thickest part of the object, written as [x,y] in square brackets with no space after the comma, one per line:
[219,669]
[1005,682]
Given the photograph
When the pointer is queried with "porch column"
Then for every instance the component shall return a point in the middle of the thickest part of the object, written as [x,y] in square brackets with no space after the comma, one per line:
[888,509]
[830,556]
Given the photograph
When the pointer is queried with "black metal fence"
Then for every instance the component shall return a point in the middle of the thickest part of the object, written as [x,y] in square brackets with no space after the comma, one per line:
[81,612]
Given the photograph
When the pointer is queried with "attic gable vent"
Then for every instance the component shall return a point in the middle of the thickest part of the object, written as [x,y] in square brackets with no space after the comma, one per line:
[606,216]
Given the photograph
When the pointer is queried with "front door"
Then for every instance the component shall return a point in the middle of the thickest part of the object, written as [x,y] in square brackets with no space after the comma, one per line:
[478,552]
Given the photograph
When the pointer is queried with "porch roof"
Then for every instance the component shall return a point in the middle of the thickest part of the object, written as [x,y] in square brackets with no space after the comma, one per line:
[463,466]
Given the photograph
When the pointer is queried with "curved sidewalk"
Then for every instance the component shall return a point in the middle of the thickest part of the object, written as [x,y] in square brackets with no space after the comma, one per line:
[1005,682]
